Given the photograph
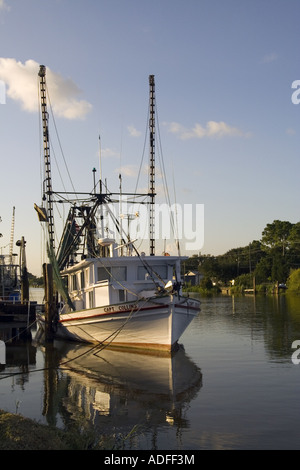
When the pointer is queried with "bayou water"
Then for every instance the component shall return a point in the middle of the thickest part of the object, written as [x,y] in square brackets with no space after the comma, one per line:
[233,384]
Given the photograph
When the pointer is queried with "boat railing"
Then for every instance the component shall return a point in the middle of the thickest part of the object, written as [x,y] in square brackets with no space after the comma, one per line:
[12,299]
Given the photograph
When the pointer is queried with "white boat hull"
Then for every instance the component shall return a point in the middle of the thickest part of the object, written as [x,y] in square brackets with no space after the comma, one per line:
[155,323]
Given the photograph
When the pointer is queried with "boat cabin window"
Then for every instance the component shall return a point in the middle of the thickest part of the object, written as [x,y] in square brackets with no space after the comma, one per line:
[91,299]
[119,273]
[87,276]
[121,295]
[74,284]
[143,274]
[82,280]
[103,273]
[91,274]
[115,273]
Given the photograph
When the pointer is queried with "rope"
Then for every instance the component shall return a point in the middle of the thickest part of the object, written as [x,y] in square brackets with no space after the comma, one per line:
[148,268]
[104,344]
[25,329]
[100,346]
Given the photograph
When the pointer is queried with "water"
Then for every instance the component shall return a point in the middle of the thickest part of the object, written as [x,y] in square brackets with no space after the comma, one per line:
[233,385]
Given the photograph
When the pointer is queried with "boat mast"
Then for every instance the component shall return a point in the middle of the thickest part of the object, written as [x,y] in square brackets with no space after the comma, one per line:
[48,190]
[12,237]
[152,162]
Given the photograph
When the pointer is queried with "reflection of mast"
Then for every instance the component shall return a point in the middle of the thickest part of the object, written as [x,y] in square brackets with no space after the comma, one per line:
[152,161]
[48,189]
[53,384]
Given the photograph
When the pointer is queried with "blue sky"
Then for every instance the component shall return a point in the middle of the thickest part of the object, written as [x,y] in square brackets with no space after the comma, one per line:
[223,72]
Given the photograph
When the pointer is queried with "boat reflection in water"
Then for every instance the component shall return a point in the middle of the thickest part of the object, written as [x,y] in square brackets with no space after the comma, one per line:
[112,391]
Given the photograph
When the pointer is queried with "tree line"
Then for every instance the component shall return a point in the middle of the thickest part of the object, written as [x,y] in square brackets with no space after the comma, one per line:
[271,259]
[268,260]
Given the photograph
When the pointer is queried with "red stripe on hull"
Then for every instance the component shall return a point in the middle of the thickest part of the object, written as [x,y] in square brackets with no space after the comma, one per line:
[110,313]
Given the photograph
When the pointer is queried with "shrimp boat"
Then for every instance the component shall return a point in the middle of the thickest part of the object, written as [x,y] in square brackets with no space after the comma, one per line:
[111,293]
[15,306]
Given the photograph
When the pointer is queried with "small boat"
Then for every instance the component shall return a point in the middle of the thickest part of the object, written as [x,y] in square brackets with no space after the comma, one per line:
[14,286]
[10,284]
[111,293]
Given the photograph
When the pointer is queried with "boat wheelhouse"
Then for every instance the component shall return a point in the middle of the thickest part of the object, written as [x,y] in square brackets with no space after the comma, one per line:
[104,281]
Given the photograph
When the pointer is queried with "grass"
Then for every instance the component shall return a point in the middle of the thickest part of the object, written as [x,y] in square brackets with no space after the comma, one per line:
[19,433]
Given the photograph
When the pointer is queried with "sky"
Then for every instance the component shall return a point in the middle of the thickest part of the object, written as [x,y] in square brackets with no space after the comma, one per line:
[227,77]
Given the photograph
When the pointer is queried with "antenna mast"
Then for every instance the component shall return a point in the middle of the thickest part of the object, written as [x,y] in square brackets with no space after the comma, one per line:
[152,162]
[48,181]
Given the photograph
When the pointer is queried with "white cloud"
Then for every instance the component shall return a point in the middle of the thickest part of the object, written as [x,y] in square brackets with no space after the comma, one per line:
[291,131]
[107,152]
[4,6]
[213,129]
[269,58]
[133,131]
[128,170]
[22,86]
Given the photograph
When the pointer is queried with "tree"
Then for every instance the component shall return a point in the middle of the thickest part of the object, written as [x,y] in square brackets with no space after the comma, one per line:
[280,269]
[206,283]
[277,235]
[35,281]
[245,281]
[269,259]
[293,282]
[192,264]
[294,236]
[263,270]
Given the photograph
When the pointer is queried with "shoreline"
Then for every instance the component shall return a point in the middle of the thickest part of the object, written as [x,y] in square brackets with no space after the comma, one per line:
[20,433]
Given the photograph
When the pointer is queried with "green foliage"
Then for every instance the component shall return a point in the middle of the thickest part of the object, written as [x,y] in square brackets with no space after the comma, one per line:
[19,433]
[245,281]
[202,290]
[293,282]
[269,260]
[294,236]
[206,283]
[263,270]
[277,235]
[35,281]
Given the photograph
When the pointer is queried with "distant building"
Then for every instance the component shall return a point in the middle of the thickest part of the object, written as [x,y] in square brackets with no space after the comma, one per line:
[193,278]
